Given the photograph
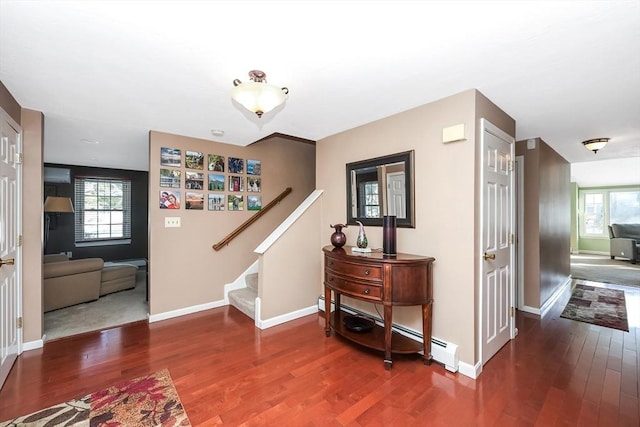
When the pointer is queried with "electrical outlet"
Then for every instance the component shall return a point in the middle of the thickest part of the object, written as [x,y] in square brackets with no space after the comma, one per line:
[172,222]
[70,254]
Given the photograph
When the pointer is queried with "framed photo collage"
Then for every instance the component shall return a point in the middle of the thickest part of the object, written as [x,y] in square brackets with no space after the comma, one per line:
[220,182]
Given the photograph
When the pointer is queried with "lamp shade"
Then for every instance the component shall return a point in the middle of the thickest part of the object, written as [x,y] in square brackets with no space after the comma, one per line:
[257,95]
[58,204]
[595,144]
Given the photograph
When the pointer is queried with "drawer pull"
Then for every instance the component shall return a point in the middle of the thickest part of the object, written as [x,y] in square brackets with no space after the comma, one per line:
[367,291]
[366,272]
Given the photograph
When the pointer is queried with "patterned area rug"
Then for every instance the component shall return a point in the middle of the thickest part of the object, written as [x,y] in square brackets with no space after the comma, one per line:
[151,400]
[599,306]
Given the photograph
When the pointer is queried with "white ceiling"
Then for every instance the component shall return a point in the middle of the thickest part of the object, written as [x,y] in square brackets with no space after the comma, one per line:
[111,71]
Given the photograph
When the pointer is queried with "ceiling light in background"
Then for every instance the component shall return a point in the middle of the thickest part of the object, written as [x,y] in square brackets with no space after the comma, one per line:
[257,95]
[90,141]
[595,144]
[217,132]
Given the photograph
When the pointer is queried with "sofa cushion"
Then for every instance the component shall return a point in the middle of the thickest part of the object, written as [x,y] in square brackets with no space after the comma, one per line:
[72,267]
[117,277]
[628,231]
[55,258]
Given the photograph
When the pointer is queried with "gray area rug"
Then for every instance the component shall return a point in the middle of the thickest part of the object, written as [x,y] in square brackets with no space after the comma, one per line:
[107,312]
[599,268]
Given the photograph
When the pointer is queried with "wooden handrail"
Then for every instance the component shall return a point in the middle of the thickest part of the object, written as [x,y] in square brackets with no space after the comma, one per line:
[229,237]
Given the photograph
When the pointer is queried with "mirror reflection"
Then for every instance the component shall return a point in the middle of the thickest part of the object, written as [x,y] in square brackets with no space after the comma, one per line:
[379,187]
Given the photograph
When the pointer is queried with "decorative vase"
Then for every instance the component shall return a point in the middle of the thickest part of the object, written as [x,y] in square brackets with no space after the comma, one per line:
[389,235]
[362,237]
[338,238]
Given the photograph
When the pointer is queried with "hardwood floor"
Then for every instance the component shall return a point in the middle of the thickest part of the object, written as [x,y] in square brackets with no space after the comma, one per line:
[556,372]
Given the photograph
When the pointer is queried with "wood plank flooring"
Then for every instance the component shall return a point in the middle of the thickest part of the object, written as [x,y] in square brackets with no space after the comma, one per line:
[557,372]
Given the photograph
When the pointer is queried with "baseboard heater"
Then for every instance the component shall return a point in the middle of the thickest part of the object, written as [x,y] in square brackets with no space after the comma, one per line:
[442,351]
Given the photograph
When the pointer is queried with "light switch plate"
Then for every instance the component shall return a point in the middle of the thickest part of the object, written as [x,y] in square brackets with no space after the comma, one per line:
[172,222]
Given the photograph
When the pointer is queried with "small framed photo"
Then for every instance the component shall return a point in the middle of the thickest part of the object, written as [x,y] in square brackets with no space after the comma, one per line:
[170,157]
[236,183]
[216,202]
[254,185]
[216,182]
[215,163]
[235,202]
[236,165]
[169,200]
[254,203]
[170,178]
[194,201]
[253,167]
[194,160]
[193,180]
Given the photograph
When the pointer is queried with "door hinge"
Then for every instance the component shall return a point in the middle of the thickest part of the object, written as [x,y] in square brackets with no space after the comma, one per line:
[513,312]
[511,165]
[512,238]
[20,240]
[19,158]
[19,323]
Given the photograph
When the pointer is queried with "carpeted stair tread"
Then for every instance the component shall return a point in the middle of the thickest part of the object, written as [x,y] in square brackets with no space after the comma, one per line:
[244,299]
[252,281]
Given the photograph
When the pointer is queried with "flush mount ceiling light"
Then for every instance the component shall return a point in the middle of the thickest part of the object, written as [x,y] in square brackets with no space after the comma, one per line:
[257,95]
[595,144]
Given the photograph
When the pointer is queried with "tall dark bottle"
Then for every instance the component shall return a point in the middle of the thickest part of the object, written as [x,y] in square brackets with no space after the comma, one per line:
[389,235]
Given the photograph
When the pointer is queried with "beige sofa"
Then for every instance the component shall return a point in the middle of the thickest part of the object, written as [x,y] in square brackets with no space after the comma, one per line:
[68,282]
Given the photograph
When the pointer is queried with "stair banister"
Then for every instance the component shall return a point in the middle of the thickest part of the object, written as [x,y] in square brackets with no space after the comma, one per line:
[229,237]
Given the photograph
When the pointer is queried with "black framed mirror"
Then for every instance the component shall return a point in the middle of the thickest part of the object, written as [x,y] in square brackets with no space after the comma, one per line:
[379,187]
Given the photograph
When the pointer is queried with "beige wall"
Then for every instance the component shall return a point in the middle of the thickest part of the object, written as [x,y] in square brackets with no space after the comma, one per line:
[184,270]
[32,223]
[547,221]
[288,280]
[445,202]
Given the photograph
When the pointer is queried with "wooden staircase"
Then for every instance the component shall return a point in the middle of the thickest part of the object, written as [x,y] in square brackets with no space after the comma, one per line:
[244,299]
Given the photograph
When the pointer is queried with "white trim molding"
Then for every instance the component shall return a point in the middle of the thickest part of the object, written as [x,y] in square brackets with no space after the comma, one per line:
[184,311]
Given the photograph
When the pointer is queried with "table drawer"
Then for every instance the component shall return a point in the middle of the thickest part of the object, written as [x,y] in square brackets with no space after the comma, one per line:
[354,289]
[358,271]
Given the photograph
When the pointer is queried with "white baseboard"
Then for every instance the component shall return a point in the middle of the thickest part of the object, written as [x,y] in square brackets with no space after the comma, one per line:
[33,345]
[549,303]
[274,321]
[471,371]
[554,297]
[591,253]
[531,310]
[185,311]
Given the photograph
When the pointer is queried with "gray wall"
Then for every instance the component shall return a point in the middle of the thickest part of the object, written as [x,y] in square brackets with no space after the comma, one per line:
[547,221]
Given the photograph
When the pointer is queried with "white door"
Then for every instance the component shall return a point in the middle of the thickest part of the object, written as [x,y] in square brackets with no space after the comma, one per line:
[396,199]
[10,279]
[496,249]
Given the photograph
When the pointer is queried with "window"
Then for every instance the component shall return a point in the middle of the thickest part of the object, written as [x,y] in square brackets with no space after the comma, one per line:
[371,202]
[103,209]
[594,213]
[624,207]
[601,208]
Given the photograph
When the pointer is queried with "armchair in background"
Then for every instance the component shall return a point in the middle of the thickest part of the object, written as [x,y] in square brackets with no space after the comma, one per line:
[624,241]
[69,282]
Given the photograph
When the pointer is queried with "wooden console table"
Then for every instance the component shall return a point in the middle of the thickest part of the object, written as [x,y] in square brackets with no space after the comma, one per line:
[397,280]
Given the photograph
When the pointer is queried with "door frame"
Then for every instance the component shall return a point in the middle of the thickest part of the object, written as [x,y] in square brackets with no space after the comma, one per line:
[6,119]
[491,128]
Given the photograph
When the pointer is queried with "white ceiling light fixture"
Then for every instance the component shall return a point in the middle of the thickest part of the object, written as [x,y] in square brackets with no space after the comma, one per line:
[257,95]
[595,144]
